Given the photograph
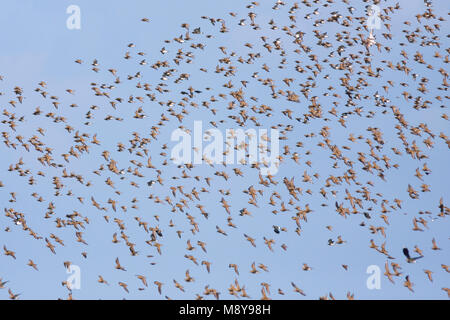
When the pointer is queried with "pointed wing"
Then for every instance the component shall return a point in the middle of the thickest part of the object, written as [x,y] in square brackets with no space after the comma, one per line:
[406,253]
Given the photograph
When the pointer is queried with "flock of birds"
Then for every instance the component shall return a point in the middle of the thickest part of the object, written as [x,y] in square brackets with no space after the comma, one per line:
[340,83]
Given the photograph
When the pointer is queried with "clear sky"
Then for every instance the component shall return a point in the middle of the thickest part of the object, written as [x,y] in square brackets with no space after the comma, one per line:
[37,46]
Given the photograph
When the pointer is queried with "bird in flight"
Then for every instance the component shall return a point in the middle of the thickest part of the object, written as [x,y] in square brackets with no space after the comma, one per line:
[410,259]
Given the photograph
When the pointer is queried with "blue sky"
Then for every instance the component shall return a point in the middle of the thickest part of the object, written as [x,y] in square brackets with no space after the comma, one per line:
[37,46]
